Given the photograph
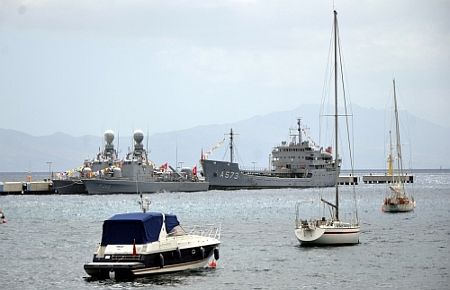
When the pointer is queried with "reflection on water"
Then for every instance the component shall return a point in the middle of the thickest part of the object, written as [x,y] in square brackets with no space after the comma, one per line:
[170,279]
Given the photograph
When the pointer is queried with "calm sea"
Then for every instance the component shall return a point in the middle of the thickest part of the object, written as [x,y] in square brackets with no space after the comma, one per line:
[48,239]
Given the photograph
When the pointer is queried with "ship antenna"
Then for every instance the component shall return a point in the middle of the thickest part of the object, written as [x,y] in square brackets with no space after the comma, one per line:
[231,134]
[118,142]
[299,130]
[231,145]
[147,141]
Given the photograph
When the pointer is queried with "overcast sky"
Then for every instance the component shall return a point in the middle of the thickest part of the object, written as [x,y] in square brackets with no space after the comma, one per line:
[84,66]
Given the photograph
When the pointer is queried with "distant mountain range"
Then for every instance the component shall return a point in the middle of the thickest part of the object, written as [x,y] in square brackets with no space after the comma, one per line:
[425,145]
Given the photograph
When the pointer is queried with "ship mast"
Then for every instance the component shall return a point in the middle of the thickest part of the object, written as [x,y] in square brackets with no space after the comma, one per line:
[231,145]
[336,161]
[299,131]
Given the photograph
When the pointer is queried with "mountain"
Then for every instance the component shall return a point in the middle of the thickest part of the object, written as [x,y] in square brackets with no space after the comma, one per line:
[426,143]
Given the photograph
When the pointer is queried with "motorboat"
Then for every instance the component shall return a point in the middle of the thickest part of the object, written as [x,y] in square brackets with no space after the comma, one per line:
[147,243]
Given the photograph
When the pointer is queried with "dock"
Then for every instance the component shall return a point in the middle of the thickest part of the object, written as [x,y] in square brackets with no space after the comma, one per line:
[348,180]
[378,178]
[29,187]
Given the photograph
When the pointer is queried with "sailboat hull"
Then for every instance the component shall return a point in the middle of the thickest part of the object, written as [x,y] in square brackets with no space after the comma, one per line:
[322,236]
[399,207]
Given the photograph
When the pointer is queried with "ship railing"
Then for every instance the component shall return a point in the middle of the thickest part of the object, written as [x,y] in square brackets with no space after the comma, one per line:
[208,230]
[254,169]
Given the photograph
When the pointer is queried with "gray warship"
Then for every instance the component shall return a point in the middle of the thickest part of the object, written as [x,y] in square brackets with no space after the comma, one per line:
[299,164]
[137,174]
[71,182]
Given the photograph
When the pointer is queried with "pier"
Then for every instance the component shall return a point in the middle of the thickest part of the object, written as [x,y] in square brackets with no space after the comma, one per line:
[378,178]
[29,187]
[348,180]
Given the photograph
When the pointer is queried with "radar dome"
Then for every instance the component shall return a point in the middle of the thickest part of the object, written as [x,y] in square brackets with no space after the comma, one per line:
[109,136]
[138,136]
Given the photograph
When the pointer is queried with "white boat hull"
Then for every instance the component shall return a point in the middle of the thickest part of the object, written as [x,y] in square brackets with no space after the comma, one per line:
[172,268]
[327,235]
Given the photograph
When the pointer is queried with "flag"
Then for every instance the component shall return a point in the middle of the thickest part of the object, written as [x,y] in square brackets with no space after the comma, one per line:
[194,170]
[163,167]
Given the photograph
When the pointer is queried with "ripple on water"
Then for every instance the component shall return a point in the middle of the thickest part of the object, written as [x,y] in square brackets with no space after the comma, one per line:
[48,238]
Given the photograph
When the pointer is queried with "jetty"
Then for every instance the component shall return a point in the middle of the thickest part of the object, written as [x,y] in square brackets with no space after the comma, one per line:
[29,187]
[348,180]
[386,178]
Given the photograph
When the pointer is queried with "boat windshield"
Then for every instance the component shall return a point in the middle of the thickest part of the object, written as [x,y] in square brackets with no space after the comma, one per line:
[177,231]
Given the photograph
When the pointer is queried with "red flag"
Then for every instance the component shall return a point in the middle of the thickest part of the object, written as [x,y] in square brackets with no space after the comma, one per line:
[194,170]
[134,247]
[163,167]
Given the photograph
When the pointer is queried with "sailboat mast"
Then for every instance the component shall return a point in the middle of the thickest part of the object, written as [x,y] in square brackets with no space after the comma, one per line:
[397,133]
[336,112]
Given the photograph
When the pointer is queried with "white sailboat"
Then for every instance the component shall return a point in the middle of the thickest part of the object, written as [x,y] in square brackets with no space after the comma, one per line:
[398,200]
[329,231]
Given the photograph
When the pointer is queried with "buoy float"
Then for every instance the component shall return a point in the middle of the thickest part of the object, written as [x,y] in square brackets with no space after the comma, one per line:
[202,251]
[161,260]
[213,264]
[216,253]
[112,275]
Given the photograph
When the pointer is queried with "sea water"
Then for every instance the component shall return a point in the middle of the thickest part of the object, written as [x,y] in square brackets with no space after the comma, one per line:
[47,239]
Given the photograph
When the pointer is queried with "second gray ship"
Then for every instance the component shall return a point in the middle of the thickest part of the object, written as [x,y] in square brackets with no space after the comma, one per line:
[297,164]
[137,174]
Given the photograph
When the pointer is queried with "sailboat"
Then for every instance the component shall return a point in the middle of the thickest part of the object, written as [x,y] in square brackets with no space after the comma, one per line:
[398,200]
[332,230]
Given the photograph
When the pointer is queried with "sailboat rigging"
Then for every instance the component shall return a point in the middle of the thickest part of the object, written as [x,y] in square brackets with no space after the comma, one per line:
[398,200]
[331,231]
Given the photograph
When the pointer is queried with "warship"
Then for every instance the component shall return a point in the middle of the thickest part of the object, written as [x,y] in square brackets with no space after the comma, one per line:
[137,174]
[71,182]
[297,164]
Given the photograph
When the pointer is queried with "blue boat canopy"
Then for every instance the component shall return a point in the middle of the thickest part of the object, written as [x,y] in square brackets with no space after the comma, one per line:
[142,228]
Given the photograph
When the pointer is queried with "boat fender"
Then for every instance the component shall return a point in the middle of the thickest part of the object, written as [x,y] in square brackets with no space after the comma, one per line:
[112,274]
[178,253]
[161,260]
[216,253]
[202,252]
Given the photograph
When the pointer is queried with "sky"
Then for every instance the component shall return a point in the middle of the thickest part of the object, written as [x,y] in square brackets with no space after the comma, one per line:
[83,66]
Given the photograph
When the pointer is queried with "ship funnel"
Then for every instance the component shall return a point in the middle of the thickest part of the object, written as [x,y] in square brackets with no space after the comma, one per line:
[138,136]
[109,136]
